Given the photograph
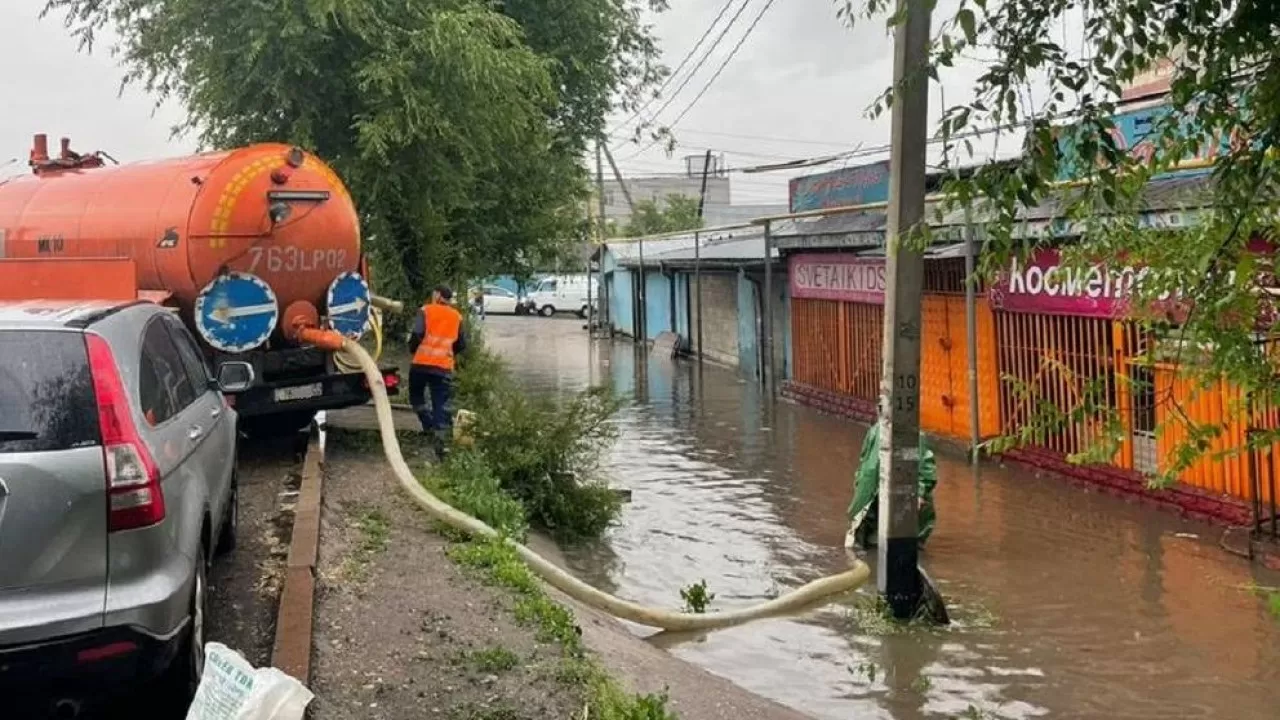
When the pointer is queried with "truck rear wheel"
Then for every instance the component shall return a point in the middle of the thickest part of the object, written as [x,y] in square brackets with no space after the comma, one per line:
[277,424]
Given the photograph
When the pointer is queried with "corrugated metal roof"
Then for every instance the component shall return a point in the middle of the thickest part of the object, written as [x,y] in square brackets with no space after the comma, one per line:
[627,252]
[743,247]
[933,252]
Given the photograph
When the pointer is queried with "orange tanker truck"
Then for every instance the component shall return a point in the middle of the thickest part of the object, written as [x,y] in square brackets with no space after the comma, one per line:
[257,249]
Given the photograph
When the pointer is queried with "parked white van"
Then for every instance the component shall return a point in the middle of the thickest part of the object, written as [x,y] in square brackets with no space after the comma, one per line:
[562,293]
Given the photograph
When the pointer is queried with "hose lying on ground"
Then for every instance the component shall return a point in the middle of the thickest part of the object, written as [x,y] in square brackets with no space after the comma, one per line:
[799,598]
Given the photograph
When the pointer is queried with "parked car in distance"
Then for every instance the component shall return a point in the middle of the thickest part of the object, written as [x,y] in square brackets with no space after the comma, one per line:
[498,300]
[117,487]
[562,293]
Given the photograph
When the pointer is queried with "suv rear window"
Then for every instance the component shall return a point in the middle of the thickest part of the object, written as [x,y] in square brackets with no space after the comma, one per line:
[46,392]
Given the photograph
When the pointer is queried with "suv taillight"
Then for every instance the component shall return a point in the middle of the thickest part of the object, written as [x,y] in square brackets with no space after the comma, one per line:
[134,496]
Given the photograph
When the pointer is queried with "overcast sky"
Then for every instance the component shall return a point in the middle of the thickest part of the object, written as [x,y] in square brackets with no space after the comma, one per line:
[798,87]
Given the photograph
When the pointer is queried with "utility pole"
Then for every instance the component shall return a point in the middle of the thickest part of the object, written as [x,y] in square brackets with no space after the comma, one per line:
[898,551]
[702,194]
[769,369]
[600,238]
[697,251]
[642,332]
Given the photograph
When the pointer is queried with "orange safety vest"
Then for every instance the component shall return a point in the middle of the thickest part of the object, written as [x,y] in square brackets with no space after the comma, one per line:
[441,324]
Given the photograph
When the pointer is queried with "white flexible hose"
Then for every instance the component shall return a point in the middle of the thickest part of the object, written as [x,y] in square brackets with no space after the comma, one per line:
[797,599]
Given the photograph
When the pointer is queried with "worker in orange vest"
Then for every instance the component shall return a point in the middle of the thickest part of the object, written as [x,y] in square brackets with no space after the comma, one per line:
[436,341]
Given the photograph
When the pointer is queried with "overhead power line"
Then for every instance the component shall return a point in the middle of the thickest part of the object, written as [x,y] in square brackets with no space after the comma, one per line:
[856,152]
[741,41]
[703,60]
[768,138]
[685,61]
[725,63]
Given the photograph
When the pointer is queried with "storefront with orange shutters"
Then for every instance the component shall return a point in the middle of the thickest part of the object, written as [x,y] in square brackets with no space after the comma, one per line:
[1066,339]
[1049,341]
[837,317]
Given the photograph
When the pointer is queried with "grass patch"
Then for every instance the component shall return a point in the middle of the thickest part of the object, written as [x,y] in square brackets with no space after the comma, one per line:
[466,482]
[871,615]
[374,534]
[496,563]
[494,659]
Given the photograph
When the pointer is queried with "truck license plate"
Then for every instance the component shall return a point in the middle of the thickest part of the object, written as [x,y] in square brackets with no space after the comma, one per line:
[300,392]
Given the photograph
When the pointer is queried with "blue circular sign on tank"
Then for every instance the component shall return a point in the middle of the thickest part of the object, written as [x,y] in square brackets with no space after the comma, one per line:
[348,305]
[236,312]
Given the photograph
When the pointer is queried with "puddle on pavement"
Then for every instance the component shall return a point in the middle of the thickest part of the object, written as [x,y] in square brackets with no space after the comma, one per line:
[1068,604]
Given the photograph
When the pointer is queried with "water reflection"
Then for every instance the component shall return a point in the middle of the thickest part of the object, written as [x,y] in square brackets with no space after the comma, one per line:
[1068,604]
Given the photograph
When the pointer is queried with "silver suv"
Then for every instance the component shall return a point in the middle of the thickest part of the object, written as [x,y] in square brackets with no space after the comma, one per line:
[117,485]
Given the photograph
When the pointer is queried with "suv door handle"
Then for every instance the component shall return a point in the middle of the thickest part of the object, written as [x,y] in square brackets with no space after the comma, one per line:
[216,412]
[194,432]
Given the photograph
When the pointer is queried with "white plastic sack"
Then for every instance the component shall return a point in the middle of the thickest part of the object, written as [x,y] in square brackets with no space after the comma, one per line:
[233,689]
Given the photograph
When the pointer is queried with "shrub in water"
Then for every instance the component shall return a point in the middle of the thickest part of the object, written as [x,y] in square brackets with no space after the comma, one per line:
[542,450]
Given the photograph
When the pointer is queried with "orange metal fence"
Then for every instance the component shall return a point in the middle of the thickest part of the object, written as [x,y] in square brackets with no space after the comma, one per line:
[1094,369]
[836,346]
[944,368]
[1050,366]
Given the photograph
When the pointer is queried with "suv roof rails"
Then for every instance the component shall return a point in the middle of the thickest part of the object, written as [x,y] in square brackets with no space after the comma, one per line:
[82,322]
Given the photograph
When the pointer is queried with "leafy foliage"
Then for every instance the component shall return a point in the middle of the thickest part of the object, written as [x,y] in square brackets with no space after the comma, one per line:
[541,450]
[696,597]
[678,212]
[457,124]
[1057,69]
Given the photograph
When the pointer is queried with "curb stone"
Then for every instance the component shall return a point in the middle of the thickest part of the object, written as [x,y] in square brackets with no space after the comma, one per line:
[292,650]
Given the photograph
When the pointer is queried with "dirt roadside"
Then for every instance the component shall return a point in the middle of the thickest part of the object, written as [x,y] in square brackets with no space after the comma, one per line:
[401,631]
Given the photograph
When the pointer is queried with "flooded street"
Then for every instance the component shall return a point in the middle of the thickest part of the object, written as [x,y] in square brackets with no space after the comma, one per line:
[1068,604]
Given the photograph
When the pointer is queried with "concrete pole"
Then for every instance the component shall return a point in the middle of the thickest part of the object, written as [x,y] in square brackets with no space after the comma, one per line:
[600,237]
[697,288]
[702,194]
[896,574]
[642,333]
[604,236]
[769,368]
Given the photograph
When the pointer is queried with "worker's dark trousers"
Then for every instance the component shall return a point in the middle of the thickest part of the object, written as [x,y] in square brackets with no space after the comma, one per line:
[436,415]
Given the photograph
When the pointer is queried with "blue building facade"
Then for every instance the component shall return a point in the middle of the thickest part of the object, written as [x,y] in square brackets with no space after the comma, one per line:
[731,264]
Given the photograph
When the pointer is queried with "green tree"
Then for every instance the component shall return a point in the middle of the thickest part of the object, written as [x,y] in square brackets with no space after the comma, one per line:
[679,212]
[1057,69]
[457,124]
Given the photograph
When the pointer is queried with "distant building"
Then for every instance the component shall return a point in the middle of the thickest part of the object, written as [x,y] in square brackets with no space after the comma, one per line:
[724,215]
[717,210]
[657,188]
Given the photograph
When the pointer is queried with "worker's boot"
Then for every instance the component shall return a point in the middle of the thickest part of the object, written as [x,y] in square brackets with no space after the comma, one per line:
[440,444]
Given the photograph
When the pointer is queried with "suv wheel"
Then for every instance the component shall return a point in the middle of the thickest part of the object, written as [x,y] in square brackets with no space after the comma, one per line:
[547,311]
[231,522]
[183,675]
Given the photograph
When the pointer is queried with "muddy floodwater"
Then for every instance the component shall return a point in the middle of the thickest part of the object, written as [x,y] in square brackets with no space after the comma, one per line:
[1068,604]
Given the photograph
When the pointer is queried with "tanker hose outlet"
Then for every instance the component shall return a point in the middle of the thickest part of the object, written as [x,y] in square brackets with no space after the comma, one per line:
[801,598]
[279,212]
[386,304]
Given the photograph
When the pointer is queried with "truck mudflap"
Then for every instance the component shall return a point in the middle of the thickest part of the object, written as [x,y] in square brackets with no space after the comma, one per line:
[312,393]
